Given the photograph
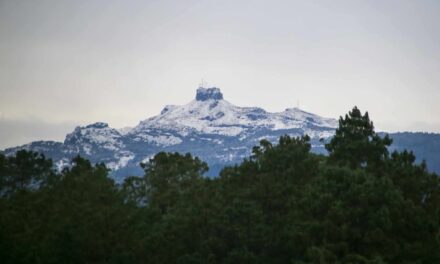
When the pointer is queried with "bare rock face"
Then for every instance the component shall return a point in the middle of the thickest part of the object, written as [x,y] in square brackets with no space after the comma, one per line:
[204,94]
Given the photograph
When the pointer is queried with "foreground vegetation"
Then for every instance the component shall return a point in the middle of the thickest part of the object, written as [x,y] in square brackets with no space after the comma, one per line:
[284,204]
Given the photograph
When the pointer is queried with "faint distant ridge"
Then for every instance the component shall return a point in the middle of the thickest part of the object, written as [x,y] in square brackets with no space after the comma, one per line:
[209,127]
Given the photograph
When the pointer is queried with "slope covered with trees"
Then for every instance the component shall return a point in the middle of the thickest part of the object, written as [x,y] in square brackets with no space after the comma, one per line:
[360,204]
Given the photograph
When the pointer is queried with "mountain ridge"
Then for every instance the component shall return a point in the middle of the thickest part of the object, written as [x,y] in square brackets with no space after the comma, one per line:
[209,126]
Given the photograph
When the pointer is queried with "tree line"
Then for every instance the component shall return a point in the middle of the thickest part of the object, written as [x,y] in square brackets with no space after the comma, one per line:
[284,204]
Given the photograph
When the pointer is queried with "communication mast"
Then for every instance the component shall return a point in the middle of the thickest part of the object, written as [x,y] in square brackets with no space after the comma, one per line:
[203,84]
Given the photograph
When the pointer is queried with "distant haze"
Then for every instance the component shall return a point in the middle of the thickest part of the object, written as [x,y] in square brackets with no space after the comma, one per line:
[67,63]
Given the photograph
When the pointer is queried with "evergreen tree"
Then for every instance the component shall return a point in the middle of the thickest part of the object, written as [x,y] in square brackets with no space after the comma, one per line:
[26,170]
[282,205]
[356,144]
[170,175]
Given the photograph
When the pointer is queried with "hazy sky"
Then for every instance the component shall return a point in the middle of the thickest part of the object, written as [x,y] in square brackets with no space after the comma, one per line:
[67,63]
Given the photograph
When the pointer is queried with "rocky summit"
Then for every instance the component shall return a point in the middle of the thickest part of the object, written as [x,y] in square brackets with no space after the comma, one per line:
[204,94]
[209,127]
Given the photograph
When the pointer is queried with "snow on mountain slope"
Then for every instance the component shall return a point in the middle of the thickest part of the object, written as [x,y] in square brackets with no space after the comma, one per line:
[97,134]
[208,126]
[209,113]
[99,140]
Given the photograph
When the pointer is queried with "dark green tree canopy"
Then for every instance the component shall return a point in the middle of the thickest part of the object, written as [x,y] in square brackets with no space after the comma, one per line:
[356,144]
[284,204]
[26,170]
[169,175]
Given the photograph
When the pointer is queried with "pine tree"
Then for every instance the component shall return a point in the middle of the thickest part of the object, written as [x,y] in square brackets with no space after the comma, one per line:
[356,144]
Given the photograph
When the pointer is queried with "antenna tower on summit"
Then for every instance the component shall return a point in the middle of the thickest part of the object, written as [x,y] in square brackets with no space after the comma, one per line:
[203,84]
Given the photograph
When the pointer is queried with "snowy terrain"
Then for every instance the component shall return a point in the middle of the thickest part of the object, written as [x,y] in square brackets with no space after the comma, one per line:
[209,127]
[211,114]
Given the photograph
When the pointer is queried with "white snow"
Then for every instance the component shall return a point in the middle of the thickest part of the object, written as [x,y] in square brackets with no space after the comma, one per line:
[62,163]
[204,118]
[121,162]
[87,149]
[147,158]
[162,140]
[100,135]
[223,118]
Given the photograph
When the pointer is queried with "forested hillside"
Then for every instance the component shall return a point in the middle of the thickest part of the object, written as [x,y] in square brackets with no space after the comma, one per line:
[284,204]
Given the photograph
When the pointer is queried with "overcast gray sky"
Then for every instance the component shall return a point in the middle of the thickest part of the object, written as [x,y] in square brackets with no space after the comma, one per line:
[67,63]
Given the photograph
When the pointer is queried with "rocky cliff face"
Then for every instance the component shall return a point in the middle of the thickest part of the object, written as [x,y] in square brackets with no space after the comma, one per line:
[204,94]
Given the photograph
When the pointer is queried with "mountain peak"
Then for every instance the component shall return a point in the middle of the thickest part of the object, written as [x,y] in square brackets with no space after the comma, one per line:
[204,94]
[97,125]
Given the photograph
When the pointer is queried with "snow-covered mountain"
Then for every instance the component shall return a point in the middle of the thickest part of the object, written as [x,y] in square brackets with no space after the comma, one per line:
[209,127]
[209,113]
